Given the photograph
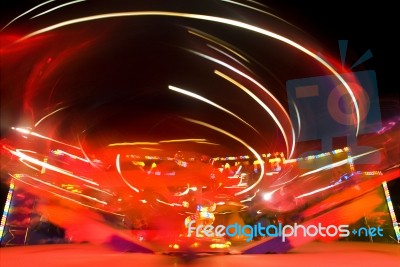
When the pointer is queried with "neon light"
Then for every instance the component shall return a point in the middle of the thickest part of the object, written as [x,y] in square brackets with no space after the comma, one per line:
[311,157]
[6,208]
[350,159]
[391,210]
[370,173]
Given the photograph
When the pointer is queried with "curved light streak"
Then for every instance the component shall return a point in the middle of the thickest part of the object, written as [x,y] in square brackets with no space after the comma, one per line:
[339,163]
[30,166]
[45,165]
[240,141]
[259,101]
[201,98]
[57,7]
[226,21]
[84,153]
[122,177]
[196,140]
[227,55]
[317,191]
[134,144]
[26,131]
[33,8]
[259,10]
[208,143]
[48,115]
[219,43]
[262,88]
[298,119]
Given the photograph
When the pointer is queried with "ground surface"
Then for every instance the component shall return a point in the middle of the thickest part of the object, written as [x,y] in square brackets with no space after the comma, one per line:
[313,254]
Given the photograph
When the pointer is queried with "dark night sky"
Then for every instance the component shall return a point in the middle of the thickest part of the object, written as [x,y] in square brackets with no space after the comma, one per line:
[366,26]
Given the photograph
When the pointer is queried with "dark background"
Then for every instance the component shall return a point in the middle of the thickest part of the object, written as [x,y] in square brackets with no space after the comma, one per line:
[365,25]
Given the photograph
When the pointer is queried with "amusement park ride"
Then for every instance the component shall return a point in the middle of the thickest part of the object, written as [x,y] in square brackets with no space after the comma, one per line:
[99,141]
[150,203]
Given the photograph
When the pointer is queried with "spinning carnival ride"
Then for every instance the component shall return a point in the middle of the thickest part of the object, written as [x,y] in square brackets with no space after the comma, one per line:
[124,132]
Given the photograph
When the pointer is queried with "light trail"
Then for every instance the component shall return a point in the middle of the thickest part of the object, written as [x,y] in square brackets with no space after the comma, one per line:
[221,20]
[57,7]
[339,163]
[122,177]
[30,10]
[208,38]
[259,101]
[289,147]
[70,199]
[28,132]
[227,55]
[243,143]
[184,140]
[45,165]
[201,98]
[17,177]
[48,115]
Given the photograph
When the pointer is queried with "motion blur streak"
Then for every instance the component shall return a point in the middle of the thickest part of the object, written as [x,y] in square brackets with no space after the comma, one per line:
[26,131]
[201,98]
[209,38]
[184,140]
[122,177]
[261,103]
[243,143]
[213,19]
[57,7]
[45,165]
[292,147]
[227,55]
[30,166]
[133,144]
[259,10]
[33,8]
[342,162]
[61,152]
[48,115]
[69,199]
[59,188]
